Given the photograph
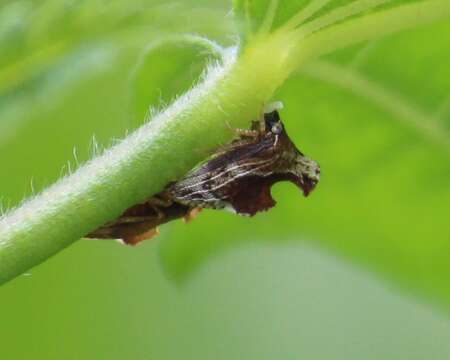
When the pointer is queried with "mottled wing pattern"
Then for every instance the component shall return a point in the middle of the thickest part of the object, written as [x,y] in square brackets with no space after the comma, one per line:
[218,181]
[141,221]
[239,177]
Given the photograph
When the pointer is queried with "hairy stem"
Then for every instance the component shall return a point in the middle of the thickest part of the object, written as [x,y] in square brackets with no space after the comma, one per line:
[164,149]
[142,164]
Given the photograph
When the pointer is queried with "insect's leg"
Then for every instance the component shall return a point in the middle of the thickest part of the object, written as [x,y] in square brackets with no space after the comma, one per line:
[192,214]
[159,213]
[129,220]
[248,133]
[243,133]
[160,201]
[136,239]
[262,125]
[235,144]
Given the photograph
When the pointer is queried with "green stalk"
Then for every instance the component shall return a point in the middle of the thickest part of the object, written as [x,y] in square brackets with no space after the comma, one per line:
[143,163]
[190,129]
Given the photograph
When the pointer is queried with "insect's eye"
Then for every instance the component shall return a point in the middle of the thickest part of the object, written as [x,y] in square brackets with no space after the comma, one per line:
[277,128]
[273,122]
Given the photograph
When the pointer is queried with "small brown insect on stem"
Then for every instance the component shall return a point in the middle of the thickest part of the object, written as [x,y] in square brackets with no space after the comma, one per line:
[238,178]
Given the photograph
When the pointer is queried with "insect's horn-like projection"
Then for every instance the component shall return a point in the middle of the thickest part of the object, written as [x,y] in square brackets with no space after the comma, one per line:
[238,178]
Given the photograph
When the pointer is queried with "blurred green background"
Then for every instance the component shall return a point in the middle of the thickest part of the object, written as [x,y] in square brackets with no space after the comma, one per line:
[357,271]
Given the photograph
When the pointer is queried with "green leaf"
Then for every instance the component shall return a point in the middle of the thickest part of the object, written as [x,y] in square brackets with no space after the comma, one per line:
[259,17]
[39,66]
[377,118]
[170,67]
[339,101]
[374,116]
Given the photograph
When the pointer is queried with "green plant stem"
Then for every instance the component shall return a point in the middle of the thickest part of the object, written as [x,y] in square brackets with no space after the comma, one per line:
[186,132]
[143,163]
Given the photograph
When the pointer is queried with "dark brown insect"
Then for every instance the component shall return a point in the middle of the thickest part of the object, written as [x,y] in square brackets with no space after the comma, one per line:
[238,178]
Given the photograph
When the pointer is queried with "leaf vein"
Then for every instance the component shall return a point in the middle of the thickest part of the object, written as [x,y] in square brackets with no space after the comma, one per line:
[388,100]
